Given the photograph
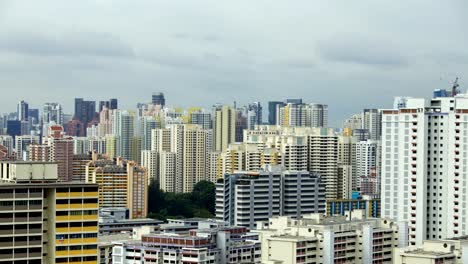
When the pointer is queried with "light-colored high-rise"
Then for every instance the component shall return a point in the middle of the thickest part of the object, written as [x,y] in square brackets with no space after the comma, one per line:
[123,128]
[224,127]
[122,184]
[183,156]
[424,168]
[22,145]
[309,115]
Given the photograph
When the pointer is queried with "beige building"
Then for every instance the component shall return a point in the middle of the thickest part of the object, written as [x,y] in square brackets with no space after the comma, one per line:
[318,239]
[121,184]
[450,251]
[224,127]
[45,221]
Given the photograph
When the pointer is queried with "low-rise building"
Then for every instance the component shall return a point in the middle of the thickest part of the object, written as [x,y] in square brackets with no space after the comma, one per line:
[319,239]
[447,251]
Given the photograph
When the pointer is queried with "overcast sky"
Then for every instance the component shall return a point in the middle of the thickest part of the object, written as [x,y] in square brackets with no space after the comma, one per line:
[347,54]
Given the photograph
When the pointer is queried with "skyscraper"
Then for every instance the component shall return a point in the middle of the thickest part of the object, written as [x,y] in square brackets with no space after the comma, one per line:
[158,99]
[124,132]
[33,115]
[272,108]
[23,111]
[52,112]
[224,127]
[309,115]
[424,168]
[85,111]
[112,104]
[254,115]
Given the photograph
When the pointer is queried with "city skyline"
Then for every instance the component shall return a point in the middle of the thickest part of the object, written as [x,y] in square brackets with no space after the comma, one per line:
[230,52]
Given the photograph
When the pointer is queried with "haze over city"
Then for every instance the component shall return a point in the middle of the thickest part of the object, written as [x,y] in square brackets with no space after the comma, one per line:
[201,52]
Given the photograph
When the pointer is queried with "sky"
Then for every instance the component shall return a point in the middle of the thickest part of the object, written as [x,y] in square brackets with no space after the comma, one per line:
[347,54]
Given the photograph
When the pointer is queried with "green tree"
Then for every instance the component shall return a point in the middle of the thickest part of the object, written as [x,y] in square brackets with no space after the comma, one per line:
[204,195]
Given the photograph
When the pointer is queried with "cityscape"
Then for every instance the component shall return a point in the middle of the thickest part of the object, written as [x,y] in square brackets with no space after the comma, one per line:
[233,132]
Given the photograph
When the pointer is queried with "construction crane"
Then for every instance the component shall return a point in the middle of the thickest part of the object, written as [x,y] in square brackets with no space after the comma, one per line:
[454,87]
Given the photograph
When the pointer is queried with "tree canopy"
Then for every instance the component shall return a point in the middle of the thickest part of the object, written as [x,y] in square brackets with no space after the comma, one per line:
[199,203]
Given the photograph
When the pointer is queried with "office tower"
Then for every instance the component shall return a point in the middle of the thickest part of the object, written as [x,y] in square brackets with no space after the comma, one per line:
[8,142]
[441,93]
[198,116]
[14,128]
[183,151]
[309,115]
[85,112]
[43,220]
[294,101]
[224,127]
[33,115]
[319,239]
[434,251]
[368,167]
[240,125]
[52,112]
[372,121]
[158,99]
[22,144]
[23,111]
[423,168]
[243,198]
[112,104]
[208,243]
[124,132]
[272,110]
[254,115]
[121,184]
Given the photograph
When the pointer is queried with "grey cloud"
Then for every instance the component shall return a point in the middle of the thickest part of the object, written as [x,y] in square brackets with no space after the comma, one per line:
[362,51]
[69,44]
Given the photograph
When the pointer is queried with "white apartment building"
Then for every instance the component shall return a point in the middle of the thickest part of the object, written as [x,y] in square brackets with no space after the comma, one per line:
[182,156]
[309,115]
[424,167]
[243,198]
[449,251]
[318,239]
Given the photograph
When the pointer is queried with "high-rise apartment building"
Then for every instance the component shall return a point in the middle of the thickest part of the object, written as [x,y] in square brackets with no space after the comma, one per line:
[22,144]
[22,111]
[158,99]
[8,142]
[183,156]
[124,132]
[309,115]
[121,184]
[372,121]
[243,198]
[200,117]
[424,173]
[368,165]
[224,127]
[45,221]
